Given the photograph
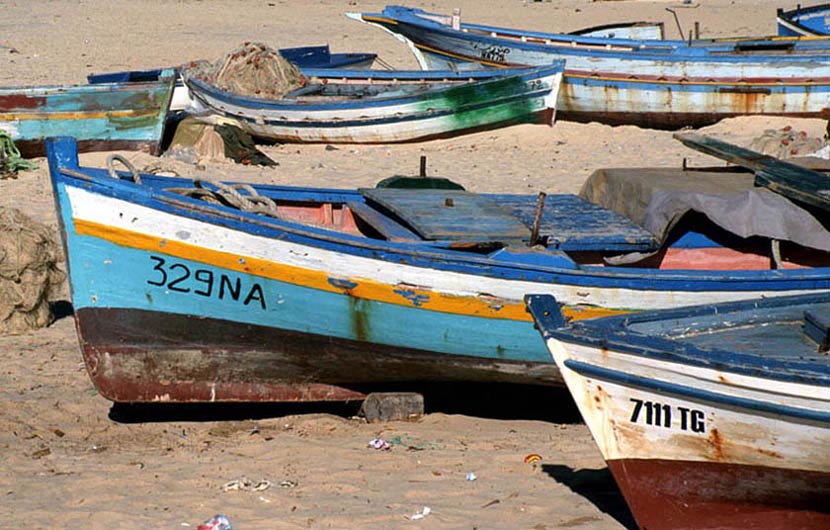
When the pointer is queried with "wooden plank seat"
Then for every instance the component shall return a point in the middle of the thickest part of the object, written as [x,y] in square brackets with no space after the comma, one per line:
[568,222]
[385,226]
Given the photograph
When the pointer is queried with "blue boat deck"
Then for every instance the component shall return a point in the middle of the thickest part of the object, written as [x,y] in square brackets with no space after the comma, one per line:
[568,222]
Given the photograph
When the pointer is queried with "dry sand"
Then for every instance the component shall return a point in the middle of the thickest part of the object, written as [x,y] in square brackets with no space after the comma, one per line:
[70,460]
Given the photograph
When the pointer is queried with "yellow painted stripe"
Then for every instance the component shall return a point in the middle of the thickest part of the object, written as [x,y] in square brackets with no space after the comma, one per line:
[73,115]
[382,20]
[364,288]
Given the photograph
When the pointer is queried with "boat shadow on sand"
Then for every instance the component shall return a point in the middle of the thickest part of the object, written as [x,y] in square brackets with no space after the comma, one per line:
[493,401]
[598,487]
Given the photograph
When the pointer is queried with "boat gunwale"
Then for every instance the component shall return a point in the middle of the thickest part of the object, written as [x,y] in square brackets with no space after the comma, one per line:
[431,253]
[613,334]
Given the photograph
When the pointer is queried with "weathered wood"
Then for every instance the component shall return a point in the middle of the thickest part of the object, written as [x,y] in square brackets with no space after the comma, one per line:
[387,227]
[572,223]
[817,327]
[709,416]
[788,179]
[392,406]
[451,215]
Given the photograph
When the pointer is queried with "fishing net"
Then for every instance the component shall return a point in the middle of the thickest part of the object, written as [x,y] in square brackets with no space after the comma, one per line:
[29,273]
[787,143]
[253,69]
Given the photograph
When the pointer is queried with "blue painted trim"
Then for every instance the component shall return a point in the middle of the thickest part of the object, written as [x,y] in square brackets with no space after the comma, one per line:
[637,381]
[702,50]
[614,334]
[809,20]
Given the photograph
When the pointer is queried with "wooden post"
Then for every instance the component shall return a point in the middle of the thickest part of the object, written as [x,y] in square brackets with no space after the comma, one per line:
[534,233]
[423,172]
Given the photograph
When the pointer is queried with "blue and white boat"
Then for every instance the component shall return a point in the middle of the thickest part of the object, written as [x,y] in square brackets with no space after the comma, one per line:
[713,416]
[284,293]
[664,84]
[811,21]
[382,106]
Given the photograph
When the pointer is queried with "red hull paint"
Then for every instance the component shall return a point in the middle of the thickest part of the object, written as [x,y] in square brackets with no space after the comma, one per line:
[35,148]
[17,102]
[142,356]
[676,495]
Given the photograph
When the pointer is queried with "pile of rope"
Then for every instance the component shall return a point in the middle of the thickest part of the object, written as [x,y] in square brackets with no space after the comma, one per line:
[253,70]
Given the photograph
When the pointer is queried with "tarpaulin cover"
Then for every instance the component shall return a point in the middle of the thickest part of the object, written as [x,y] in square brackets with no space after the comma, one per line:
[657,198]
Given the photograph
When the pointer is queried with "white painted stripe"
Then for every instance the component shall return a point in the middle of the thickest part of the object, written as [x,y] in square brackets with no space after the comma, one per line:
[133,217]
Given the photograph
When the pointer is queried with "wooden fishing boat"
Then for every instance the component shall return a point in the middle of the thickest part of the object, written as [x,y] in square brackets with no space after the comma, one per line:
[812,21]
[302,57]
[108,116]
[179,299]
[661,84]
[714,416]
[372,106]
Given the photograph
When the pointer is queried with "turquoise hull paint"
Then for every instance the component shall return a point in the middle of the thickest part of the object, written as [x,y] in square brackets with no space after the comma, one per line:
[106,275]
[102,117]
[92,128]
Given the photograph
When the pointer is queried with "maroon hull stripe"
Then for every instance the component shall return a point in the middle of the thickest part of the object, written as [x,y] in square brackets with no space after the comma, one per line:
[673,495]
[37,147]
[139,356]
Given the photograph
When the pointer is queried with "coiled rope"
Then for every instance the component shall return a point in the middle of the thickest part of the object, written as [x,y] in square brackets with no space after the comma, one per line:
[225,194]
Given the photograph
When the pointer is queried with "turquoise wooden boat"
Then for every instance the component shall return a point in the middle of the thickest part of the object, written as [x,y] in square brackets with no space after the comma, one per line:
[287,293]
[102,117]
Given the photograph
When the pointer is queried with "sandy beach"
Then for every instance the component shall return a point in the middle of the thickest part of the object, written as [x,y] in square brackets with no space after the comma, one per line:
[73,460]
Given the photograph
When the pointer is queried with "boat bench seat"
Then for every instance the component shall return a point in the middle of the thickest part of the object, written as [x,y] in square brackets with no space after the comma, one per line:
[388,228]
[817,327]
[568,222]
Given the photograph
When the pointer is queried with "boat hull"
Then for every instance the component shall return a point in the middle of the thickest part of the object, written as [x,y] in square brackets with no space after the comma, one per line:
[114,116]
[692,441]
[676,494]
[146,356]
[804,22]
[429,113]
[623,82]
[177,300]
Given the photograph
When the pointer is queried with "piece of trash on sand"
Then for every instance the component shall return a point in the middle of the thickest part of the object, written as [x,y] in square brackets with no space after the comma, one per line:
[471,476]
[420,515]
[532,458]
[380,444]
[245,484]
[217,522]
